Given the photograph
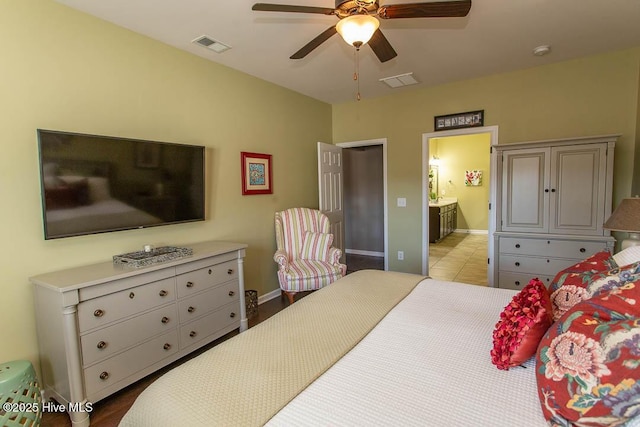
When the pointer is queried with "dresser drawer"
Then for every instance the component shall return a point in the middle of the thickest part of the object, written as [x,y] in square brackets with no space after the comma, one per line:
[109,308]
[117,368]
[517,281]
[112,339]
[573,249]
[209,300]
[534,265]
[203,278]
[202,328]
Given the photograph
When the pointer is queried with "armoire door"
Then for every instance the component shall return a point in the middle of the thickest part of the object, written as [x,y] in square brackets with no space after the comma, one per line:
[577,184]
[525,178]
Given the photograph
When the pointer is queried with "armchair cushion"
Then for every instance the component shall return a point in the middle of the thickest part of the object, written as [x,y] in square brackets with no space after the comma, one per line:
[315,246]
[306,275]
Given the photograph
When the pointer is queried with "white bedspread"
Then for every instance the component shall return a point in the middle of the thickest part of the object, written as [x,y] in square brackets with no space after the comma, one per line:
[426,363]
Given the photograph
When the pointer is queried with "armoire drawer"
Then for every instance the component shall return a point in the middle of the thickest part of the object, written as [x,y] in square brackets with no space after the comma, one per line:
[517,281]
[119,367]
[209,300]
[573,249]
[203,278]
[534,265]
[105,342]
[201,328]
[103,310]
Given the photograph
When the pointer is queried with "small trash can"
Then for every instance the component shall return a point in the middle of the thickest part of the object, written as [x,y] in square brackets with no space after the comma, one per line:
[20,398]
[251,302]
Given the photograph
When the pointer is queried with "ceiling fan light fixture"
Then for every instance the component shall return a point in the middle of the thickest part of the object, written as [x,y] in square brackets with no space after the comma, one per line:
[357,30]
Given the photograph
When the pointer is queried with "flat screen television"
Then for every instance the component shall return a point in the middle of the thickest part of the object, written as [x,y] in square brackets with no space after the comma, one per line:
[95,184]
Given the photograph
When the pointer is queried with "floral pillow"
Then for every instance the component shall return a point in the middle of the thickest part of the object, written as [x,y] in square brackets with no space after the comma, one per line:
[521,326]
[588,362]
[574,287]
[601,261]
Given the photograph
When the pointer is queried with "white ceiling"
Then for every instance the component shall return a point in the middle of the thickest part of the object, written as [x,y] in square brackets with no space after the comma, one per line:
[497,36]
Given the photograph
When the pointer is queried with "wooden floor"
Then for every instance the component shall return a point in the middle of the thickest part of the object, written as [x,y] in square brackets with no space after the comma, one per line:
[109,411]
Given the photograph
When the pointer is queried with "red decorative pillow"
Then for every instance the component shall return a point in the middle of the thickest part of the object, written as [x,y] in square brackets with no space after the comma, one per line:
[573,288]
[601,261]
[588,363]
[521,326]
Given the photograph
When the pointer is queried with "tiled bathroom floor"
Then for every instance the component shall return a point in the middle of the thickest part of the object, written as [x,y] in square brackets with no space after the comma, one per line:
[460,257]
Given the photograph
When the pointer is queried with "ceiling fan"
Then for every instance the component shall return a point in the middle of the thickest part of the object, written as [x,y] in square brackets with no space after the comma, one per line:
[358,24]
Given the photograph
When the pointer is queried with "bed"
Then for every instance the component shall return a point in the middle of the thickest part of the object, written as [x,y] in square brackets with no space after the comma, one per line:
[374,348]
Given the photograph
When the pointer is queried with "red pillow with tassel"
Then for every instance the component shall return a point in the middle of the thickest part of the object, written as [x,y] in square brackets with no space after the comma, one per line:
[522,325]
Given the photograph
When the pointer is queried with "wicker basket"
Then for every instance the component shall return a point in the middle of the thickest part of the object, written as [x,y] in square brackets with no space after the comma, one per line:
[251,302]
[20,398]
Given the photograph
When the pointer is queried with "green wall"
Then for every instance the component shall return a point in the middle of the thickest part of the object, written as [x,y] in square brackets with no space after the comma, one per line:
[64,70]
[590,96]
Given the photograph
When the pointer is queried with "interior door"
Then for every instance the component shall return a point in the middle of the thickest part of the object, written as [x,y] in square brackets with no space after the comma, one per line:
[330,190]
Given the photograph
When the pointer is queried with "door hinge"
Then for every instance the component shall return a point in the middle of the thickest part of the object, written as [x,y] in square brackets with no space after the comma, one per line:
[489,205]
[488,260]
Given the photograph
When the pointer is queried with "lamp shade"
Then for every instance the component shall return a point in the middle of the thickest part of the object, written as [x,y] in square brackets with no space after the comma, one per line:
[357,29]
[626,217]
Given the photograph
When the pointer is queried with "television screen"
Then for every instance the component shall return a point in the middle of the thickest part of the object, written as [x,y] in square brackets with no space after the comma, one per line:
[94,184]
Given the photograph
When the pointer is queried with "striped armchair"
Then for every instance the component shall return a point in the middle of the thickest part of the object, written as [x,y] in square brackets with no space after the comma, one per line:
[306,260]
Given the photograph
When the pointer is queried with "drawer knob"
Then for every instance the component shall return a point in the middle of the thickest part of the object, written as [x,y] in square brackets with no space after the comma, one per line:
[101,345]
[191,309]
[132,295]
[517,264]
[517,283]
[163,293]
[193,334]
[166,346]
[189,284]
[98,313]
[517,245]
[583,250]
[165,319]
[231,293]
[230,271]
[210,271]
[104,375]
[232,315]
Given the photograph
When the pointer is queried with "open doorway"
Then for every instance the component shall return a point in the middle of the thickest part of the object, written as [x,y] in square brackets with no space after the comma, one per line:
[365,204]
[463,179]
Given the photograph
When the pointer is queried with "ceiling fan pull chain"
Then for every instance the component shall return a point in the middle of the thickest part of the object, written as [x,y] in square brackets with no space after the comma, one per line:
[356,73]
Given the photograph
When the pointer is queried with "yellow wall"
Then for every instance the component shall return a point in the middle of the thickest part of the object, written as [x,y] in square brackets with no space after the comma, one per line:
[590,96]
[458,154]
[64,70]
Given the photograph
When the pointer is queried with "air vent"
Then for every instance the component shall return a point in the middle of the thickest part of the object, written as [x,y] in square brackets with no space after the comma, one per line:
[400,80]
[211,44]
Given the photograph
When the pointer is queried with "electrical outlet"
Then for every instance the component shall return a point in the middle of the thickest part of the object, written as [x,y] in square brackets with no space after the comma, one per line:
[400,255]
[402,202]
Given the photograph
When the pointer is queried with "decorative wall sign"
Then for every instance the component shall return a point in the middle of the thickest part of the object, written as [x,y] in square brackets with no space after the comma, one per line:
[256,173]
[473,178]
[460,120]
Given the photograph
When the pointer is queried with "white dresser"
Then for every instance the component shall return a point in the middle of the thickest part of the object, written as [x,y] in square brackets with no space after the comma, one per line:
[552,201]
[102,327]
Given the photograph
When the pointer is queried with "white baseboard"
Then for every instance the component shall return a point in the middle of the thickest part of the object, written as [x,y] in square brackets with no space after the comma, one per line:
[365,253]
[467,231]
[269,296]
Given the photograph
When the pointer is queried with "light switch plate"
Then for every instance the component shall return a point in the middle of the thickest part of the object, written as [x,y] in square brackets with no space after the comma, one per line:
[402,202]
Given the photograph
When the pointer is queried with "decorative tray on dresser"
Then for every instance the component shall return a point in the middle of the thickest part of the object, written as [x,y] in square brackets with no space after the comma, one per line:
[104,326]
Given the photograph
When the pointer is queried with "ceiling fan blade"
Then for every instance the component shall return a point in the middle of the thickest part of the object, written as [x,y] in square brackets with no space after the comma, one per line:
[439,9]
[381,47]
[267,7]
[306,49]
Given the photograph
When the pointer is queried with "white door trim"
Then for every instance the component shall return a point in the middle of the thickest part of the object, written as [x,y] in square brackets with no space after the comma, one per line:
[493,131]
[383,142]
